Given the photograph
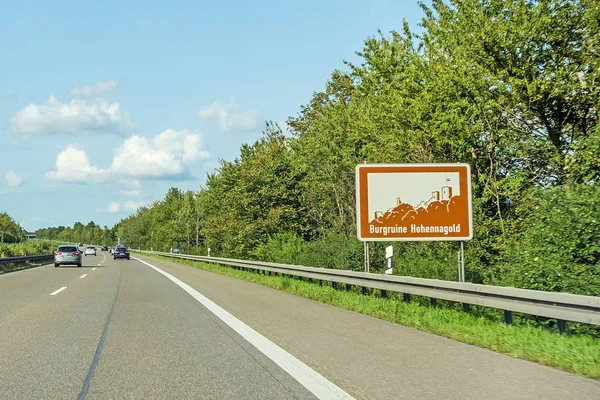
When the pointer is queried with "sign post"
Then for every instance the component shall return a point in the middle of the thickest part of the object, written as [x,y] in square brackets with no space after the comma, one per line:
[366,255]
[414,202]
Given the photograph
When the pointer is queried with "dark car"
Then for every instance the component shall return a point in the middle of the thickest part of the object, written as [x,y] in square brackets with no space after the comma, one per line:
[121,252]
[104,248]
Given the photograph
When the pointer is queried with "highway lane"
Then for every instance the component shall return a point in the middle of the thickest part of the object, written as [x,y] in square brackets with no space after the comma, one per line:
[47,341]
[375,359]
[18,289]
[124,331]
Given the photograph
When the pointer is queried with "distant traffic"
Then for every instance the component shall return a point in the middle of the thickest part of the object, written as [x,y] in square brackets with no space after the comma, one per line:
[69,254]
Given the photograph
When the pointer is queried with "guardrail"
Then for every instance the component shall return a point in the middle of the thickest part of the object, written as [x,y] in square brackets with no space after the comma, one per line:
[12,260]
[560,306]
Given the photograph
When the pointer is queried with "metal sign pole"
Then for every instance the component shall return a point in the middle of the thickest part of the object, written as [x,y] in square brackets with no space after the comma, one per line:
[367,260]
[458,264]
[462,260]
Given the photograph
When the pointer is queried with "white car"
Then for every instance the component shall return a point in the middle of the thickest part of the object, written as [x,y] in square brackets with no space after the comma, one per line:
[91,250]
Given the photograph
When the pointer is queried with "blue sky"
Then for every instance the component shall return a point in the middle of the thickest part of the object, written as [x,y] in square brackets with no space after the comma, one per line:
[104,105]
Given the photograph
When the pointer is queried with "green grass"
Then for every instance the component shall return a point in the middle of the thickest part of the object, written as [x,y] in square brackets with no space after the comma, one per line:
[28,248]
[578,354]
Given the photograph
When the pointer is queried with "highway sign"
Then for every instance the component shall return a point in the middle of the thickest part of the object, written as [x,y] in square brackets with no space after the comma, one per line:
[413,202]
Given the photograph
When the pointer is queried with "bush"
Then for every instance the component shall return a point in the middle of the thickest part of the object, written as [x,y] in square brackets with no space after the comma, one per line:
[558,248]
[29,248]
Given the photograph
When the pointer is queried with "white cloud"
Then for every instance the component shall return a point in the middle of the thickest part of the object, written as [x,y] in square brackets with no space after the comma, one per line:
[75,118]
[113,207]
[73,165]
[169,154]
[128,206]
[229,117]
[95,90]
[12,179]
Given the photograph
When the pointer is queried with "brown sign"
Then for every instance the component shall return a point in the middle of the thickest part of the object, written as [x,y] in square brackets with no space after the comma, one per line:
[413,202]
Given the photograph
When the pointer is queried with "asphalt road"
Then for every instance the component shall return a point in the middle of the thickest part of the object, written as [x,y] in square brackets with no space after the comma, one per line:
[153,329]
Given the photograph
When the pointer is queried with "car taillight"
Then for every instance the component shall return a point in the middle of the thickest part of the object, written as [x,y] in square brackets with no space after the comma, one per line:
[126,251]
[58,253]
[75,253]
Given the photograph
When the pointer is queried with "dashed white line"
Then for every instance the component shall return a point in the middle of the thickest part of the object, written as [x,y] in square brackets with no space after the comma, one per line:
[93,269]
[83,276]
[306,376]
[58,291]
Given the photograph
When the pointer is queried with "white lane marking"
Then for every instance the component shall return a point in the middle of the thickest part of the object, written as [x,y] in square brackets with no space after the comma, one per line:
[58,291]
[306,376]
[83,276]
[100,264]
[93,269]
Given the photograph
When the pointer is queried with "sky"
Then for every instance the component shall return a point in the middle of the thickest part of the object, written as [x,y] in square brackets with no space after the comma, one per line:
[105,105]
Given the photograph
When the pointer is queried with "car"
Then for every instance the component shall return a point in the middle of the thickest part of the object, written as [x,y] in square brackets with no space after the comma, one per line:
[91,250]
[104,248]
[67,254]
[121,252]
[175,250]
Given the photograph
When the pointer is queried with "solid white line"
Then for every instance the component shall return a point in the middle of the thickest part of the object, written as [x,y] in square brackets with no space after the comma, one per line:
[58,291]
[83,276]
[306,376]
[93,269]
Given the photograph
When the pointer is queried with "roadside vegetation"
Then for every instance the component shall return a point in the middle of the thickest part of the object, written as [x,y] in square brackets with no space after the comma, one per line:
[25,248]
[510,87]
[13,243]
[481,327]
[28,248]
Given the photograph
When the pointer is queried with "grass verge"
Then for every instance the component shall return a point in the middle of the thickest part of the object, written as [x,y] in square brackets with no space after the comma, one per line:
[579,354]
[28,248]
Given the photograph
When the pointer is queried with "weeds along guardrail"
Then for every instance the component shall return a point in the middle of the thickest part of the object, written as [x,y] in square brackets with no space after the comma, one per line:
[560,306]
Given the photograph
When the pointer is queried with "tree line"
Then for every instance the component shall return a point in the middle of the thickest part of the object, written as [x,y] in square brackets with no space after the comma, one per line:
[91,233]
[510,87]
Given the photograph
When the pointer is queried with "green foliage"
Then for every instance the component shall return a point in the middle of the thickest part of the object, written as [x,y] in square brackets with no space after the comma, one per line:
[28,248]
[90,233]
[334,250]
[511,87]
[558,248]
[10,231]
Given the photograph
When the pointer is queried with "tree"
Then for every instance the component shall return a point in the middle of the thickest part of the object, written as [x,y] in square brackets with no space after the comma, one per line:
[10,231]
